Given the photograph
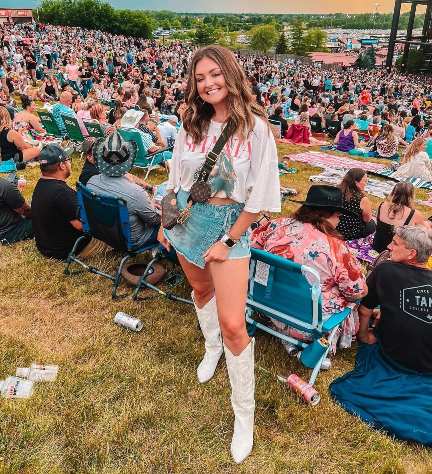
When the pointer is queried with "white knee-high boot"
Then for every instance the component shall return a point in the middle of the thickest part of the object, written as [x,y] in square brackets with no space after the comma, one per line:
[209,324]
[242,377]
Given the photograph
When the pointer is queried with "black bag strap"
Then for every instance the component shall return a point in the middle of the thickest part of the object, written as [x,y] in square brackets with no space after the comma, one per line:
[213,154]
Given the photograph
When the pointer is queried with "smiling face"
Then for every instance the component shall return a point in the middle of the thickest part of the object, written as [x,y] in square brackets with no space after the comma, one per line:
[210,82]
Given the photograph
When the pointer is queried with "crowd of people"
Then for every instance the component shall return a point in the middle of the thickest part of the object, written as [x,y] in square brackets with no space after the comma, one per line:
[180,102]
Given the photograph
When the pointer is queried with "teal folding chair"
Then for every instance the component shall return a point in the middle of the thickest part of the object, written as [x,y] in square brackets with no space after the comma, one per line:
[144,160]
[94,129]
[73,129]
[49,124]
[285,291]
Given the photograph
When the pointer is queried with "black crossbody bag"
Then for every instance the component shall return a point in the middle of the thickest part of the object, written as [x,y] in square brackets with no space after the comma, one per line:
[200,190]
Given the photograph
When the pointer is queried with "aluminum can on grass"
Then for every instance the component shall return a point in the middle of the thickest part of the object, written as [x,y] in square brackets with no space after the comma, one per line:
[128,322]
[302,388]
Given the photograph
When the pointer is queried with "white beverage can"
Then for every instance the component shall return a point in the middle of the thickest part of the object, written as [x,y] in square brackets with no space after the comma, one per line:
[127,321]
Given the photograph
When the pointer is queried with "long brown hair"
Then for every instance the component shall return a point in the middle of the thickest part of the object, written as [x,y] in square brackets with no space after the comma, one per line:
[402,195]
[241,103]
[318,218]
[5,118]
[348,185]
[412,149]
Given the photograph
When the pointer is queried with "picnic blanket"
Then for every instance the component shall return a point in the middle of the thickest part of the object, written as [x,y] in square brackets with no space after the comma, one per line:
[362,249]
[325,160]
[387,396]
[334,177]
[416,182]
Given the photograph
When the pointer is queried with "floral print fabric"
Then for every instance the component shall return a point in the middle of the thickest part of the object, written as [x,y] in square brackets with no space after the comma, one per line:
[341,278]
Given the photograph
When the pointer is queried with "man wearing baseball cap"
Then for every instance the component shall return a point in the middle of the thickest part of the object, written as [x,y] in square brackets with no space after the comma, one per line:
[56,224]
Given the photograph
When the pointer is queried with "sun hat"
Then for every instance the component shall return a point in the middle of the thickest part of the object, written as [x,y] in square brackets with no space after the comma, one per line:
[326,197]
[114,156]
[131,118]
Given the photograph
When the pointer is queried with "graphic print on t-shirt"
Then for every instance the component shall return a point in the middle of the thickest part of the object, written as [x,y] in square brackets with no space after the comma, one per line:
[417,302]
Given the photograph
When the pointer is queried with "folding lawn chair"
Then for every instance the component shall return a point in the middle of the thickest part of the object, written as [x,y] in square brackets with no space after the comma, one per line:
[106,218]
[49,124]
[73,129]
[290,293]
[144,160]
[94,129]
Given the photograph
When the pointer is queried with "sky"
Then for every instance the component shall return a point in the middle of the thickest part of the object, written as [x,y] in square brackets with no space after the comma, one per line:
[240,6]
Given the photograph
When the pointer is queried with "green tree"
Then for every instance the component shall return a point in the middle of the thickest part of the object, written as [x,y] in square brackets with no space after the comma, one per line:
[315,40]
[205,34]
[263,37]
[282,46]
[298,45]
[366,59]
[96,14]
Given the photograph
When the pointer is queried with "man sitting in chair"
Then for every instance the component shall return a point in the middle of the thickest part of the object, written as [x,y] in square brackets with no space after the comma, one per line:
[15,214]
[132,119]
[56,223]
[391,384]
[115,158]
[63,107]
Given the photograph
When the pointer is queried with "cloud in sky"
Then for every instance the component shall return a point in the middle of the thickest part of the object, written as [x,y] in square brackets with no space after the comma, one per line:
[241,6]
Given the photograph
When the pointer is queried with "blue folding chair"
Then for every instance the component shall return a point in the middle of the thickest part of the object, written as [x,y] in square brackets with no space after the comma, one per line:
[285,291]
[106,218]
[145,160]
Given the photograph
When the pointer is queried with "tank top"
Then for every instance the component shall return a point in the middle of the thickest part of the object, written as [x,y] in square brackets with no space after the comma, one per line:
[349,226]
[384,232]
[346,142]
[8,149]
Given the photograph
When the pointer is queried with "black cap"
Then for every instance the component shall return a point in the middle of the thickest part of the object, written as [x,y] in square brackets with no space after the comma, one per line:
[51,154]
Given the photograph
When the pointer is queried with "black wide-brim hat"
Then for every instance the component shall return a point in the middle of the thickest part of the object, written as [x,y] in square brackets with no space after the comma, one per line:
[322,196]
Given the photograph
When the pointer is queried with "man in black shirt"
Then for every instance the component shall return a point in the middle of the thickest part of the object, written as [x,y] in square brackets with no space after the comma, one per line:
[54,206]
[15,214]
[402,287]
[390,387]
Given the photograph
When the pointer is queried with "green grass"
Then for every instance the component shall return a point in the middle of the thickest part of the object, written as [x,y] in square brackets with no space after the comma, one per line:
[130,403]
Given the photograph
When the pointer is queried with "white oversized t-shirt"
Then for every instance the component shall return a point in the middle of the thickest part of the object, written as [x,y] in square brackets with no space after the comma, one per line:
[249,168]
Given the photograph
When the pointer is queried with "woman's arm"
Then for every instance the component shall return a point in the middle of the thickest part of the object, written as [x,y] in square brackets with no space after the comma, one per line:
[355,139]
[366,207]
[336,140]
[36,124]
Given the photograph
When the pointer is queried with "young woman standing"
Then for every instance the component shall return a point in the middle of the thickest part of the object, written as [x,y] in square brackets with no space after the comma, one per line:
[213,244]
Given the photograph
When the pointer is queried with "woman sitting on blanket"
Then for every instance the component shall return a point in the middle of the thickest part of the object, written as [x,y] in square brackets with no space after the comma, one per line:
[359,222]
[310,238]
[347,139]
[396,210]
[415,162]
[386,144]
[300,133]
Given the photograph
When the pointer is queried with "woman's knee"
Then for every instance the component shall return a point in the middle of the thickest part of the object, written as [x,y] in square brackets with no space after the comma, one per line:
[203,292]
[232,327]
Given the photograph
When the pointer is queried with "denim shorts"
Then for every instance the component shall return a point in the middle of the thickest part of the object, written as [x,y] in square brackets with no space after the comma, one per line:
[205,226]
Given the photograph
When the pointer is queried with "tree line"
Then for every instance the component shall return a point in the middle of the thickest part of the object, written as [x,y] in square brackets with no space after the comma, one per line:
[98,15]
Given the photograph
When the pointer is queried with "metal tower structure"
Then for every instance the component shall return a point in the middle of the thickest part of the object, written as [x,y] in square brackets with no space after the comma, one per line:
[424,41]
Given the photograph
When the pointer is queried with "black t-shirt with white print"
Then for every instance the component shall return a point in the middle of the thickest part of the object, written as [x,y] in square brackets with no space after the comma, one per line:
[404,293]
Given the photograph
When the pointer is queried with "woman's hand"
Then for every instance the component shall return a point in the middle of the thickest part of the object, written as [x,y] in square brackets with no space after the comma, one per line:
[218,253]
[163,240]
